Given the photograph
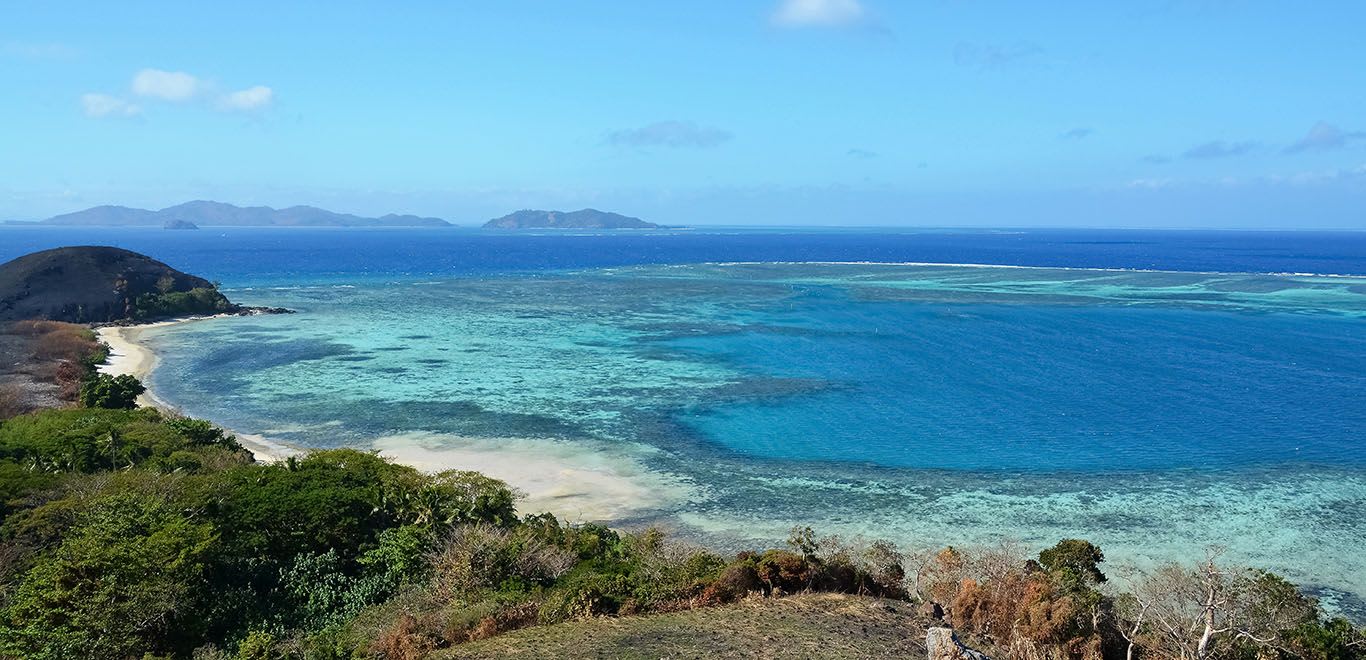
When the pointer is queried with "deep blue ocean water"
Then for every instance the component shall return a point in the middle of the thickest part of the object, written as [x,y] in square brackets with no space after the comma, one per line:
[1154,391]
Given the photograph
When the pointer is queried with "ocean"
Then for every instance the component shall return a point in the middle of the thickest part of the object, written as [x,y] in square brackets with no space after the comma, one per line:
[1156,392]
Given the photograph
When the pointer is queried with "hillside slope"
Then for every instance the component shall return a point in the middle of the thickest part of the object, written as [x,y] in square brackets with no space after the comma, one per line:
[96,284]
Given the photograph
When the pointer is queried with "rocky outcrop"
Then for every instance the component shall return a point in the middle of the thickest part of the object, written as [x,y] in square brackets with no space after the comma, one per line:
[943,644]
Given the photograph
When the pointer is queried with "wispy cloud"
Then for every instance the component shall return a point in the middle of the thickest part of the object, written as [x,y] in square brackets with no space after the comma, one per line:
[817,13]
[252,98]
[104,105]
[176,87]
[31,50]
[861,153]
[1219,149]
[989,56]
[670,133]
[1076,134]
[1323,136]
[172,86]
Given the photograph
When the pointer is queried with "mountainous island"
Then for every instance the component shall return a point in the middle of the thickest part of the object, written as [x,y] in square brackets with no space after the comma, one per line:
[219,214]
[581,219]
[102,285]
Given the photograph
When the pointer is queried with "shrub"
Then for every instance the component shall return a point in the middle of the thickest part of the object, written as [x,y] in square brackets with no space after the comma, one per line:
[736,581]
[479,558]
[782,572]
[115,392]
[584,594]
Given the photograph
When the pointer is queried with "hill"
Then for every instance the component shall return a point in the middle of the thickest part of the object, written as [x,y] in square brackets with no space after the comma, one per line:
[219,214]
[582,219]
[101,284]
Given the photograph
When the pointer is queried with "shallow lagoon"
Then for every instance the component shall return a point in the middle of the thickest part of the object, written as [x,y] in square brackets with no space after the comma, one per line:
[1154,413]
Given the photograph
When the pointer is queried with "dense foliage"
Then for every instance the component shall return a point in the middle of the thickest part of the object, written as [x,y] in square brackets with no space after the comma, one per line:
[131,532]
[166,304]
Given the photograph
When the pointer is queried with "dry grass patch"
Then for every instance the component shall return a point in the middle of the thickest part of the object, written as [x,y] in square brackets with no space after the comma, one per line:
[802,626]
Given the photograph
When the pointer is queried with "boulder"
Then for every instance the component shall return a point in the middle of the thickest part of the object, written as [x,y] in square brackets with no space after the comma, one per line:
[943,644]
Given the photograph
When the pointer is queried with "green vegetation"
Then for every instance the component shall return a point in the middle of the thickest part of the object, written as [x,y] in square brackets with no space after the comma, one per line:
[132,533]
[165,304]
[105,391]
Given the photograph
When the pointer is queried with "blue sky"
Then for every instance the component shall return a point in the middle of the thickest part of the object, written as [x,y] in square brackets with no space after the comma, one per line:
[837,112]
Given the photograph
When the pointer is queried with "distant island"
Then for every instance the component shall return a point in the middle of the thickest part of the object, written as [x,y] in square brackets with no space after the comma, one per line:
[582,219]
[179,224]
[104,285]
[219,214]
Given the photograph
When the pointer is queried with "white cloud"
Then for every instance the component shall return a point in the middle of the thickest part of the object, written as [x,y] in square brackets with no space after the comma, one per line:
[252,98]
[177,87]
[104,105]
[802,13]
[166,85]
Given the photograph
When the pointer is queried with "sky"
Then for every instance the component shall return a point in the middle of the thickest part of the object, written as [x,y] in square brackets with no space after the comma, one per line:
[1165,113]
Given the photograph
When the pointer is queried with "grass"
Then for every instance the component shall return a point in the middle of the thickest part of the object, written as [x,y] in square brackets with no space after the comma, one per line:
[803,626]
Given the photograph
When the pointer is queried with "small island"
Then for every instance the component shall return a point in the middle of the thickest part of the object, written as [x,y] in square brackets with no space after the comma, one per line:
[581,219]
[179,224]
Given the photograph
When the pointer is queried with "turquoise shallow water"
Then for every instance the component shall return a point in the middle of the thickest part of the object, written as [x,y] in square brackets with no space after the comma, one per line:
[1152,412]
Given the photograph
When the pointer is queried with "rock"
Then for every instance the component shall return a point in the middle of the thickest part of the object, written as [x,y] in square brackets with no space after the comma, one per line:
[943,644]
[932,610]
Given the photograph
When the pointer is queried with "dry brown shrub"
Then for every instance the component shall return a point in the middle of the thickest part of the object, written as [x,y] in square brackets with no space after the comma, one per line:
[68,372]
[403,640]
[734,583]
[506,619]
[11,401]
[33,328]
[63,344]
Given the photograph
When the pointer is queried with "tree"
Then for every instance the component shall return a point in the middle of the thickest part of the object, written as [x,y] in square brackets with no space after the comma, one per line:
[1211,610]
[105,391]
[1079,558]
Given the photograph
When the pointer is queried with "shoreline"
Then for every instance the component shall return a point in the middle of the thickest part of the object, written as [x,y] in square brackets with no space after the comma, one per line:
[573,483]
[128,355]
